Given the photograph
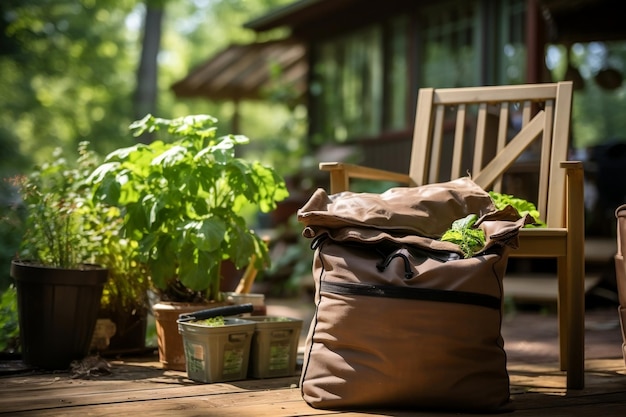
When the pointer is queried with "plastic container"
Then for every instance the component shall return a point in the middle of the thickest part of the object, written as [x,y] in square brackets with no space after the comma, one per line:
[274,346]
[217,354]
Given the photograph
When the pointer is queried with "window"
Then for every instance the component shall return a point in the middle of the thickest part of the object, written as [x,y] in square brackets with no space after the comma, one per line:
[510,44]
[396,75]
[450,51]
[600,99]
[347,85]
[363,82]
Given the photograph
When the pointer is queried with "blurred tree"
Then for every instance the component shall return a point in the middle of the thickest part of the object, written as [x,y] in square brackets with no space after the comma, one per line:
[74,70]
[71,69]
[67,75]
[145,99]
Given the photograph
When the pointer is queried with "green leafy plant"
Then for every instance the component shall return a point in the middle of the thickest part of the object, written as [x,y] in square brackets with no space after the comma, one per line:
[522,206]
[66,227]
[126,289]
[470,239]
[184,197]
[12,217]
[463,233]
[129,281]
[59,214]
[9,326]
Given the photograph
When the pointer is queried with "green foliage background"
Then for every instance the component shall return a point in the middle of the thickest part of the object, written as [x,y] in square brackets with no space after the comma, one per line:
[68,74]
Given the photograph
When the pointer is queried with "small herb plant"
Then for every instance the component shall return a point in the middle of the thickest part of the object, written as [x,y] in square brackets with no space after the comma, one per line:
[211,322]
[59,214]
[183,197]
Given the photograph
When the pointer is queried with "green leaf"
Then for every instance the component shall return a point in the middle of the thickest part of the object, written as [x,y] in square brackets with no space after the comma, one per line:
[208,234]
[462,233]
[122,153]
[171,156]
[102,172]
[204,267]
[464,223]
[522,206]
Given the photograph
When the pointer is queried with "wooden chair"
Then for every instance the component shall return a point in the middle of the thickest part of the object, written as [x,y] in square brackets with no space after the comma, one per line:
[503,137]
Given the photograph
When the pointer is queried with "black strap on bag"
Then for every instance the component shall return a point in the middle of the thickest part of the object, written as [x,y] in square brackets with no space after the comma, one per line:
[411,293]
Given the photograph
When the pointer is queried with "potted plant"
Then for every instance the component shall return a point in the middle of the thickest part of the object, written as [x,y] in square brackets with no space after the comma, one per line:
[186,199]
[125,295]
[58,285]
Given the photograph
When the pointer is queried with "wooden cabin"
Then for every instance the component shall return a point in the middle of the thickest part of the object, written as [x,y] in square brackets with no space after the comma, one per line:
[363,61]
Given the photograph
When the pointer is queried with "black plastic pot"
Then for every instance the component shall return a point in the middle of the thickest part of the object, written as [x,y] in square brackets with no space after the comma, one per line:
[130,331]
[57,310]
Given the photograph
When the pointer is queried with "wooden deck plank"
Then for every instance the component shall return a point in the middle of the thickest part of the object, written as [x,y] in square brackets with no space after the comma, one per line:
[287,402]
[538,287]
[533,387]
[43,392]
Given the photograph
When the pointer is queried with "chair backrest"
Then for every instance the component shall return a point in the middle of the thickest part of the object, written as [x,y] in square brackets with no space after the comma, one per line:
[505,137]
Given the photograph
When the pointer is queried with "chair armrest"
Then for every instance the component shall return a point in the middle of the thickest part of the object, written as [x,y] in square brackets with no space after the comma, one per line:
[340,174]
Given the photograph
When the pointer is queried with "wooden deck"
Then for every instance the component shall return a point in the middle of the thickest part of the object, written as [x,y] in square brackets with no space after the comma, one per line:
[138,386]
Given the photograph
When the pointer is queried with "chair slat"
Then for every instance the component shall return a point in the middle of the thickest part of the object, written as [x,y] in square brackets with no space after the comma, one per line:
[437,145]
[514,149]
[544,167]
[560,141]
[420,154]
[503,126]
[459,139]
[526,112]
[479,143]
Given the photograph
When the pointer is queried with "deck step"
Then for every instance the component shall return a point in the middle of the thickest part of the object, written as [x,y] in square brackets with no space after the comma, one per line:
[538,286]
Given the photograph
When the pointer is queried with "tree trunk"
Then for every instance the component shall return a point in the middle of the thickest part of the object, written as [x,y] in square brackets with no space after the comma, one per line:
[146,94]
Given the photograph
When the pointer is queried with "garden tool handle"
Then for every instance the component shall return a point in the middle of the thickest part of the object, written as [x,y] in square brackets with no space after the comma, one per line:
[217,311]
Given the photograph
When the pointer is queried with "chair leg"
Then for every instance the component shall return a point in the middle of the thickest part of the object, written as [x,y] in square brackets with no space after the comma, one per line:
[571,322]
[576,317]
[562,313]
[575,270]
